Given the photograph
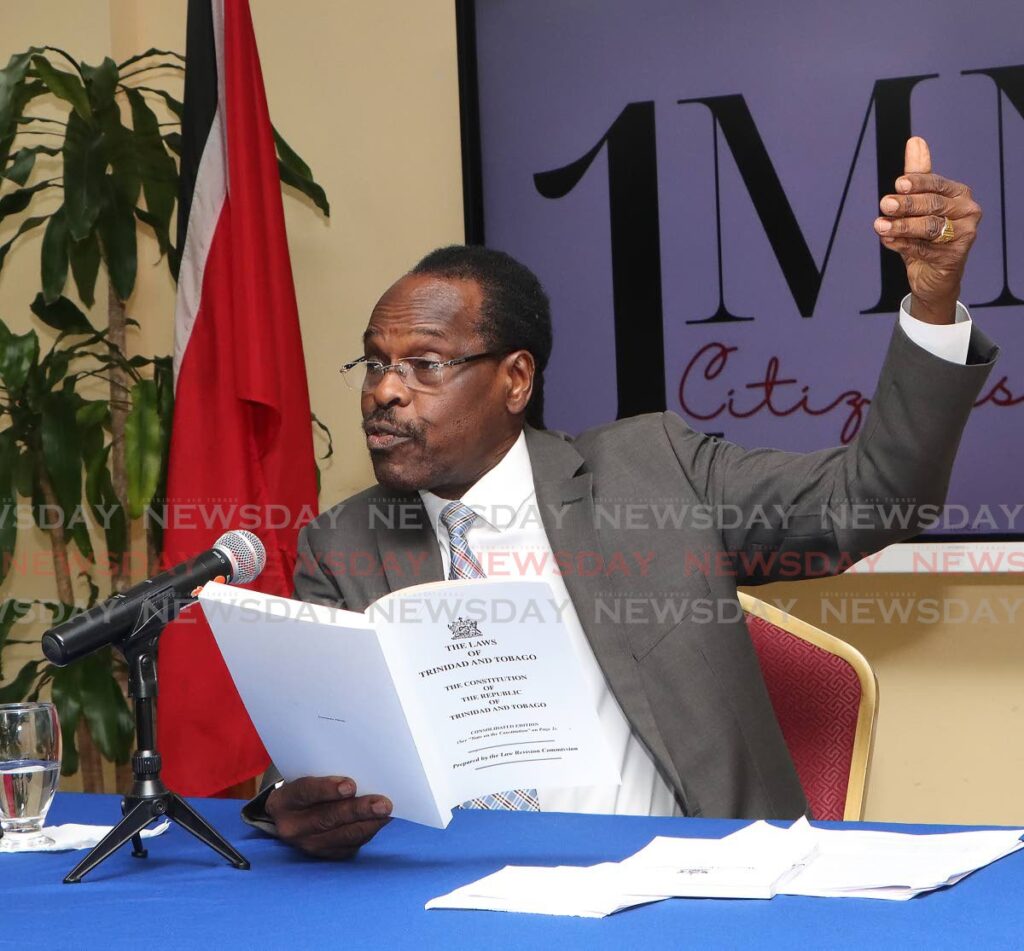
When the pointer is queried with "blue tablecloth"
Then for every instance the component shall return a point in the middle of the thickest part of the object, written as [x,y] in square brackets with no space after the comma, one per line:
[185,896]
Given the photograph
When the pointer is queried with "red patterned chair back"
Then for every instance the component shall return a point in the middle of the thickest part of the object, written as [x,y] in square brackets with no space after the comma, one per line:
[824,695]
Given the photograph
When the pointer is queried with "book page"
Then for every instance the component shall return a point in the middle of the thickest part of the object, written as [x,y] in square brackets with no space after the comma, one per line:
[491,686]
[318,690]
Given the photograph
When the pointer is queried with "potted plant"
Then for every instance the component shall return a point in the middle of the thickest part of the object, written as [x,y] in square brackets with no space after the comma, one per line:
[84,424]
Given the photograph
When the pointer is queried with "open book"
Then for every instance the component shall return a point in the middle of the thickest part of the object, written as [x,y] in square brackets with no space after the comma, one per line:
[437,694]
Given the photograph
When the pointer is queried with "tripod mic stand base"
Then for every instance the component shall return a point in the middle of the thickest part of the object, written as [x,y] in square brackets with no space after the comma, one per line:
[139,812]
[149,798]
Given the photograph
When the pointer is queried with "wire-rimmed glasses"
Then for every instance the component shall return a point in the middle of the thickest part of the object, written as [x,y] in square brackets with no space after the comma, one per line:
[417,373]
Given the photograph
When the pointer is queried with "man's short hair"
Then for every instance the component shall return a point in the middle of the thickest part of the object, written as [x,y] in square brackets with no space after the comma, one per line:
[515,313]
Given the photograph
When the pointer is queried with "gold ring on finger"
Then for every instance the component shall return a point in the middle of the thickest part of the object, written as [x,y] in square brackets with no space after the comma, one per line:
[947,234]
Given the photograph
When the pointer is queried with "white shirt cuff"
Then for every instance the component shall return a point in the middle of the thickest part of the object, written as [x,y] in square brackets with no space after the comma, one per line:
[948,341]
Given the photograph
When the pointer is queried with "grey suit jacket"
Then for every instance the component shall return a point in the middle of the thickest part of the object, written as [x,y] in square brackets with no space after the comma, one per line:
[671,640]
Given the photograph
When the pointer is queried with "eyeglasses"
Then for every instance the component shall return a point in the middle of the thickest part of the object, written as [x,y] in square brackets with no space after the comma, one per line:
[417,373]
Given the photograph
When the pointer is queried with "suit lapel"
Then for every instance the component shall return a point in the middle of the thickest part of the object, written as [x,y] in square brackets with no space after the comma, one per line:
[566,500]
[406,542]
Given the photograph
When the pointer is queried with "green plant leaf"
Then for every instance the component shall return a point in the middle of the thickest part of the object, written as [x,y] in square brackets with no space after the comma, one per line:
[21,166]
[57,363]
[11,612]
[94,591]
[160,230]
[163,377]
[18,354]
[21,95]
[157,169]
[322,426]
[62,451]
[80,536]
[111,515]
[176,106]
[21,686]
[173,142]
[12,78]
[54,256]
[66,86]
[99,487]
[24,161]
[8,510]
[289,156]
[119,239]
[307,186]
[295,172]
[59,612]
[26,225]
[152,51]
[84,256]
[101,83]
[122,155]
[143,446]
[85,161]
[92,413]
[61,315]
[17,201]
[67,695]
[103,704]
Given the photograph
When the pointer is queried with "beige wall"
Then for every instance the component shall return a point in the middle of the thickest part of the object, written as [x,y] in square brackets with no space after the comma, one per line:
[367,93]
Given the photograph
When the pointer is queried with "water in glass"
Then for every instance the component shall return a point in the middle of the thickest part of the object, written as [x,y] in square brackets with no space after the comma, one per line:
[29,766]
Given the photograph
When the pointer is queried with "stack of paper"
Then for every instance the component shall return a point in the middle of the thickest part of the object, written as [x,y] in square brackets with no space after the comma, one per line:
[853,863]
[758,861]
[750,863]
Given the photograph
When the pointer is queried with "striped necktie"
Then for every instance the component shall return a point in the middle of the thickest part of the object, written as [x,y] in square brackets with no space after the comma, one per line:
[457,518]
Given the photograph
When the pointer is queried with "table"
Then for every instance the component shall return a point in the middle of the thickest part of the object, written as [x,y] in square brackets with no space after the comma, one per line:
[184,896]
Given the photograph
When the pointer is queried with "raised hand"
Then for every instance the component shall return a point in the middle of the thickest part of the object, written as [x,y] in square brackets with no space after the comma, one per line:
[324,817]
[931,222]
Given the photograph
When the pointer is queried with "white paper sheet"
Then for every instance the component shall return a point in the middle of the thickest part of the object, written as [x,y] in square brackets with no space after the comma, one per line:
[590,892]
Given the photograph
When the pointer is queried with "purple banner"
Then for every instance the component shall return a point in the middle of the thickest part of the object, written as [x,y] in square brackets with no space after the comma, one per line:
[695,186]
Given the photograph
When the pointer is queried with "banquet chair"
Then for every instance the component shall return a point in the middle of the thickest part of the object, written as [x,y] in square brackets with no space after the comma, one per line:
[825,697]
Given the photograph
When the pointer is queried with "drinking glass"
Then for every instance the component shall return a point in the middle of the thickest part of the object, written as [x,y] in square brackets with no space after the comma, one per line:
[29,769]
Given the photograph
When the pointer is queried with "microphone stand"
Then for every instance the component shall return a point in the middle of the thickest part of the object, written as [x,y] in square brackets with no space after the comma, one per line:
[149,798]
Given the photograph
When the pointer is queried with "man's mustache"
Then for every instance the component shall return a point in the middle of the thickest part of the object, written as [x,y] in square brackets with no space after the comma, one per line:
[383,421]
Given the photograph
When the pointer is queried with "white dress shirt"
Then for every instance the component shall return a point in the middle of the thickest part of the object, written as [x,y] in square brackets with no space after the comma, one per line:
[949,341]
[509,540]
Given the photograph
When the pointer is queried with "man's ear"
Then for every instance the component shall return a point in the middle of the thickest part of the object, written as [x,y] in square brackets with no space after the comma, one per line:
[519,369]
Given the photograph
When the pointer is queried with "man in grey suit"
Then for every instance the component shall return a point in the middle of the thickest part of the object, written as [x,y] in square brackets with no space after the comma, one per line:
[452,390]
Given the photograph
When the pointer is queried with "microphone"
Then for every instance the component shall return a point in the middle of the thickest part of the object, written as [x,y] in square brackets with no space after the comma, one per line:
[238,556]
